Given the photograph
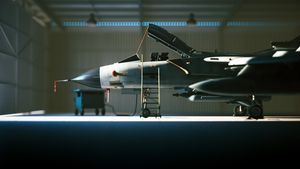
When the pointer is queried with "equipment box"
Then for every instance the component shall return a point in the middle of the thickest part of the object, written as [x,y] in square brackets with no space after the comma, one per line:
[89,99]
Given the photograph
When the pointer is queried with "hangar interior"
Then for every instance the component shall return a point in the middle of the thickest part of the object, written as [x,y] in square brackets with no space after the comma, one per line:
[46,40]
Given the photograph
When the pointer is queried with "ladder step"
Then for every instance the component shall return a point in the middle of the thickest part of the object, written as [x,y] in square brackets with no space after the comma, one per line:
[153,108]
[150,74]
[152,94]
[152,97]
[151,102]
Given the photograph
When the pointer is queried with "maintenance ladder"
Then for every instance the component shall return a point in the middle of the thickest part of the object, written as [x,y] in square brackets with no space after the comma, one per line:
[150,96]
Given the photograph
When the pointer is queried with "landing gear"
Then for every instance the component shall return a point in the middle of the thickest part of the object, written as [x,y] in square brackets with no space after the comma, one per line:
[252,107]
[150,103]
[240,110]
[255,111]
[146,113]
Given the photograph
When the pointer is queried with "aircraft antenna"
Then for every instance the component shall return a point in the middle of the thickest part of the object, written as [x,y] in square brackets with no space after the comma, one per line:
[58,81]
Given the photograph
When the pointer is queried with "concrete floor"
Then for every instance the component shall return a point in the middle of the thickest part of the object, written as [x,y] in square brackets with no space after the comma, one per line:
[90,117]
[124,141]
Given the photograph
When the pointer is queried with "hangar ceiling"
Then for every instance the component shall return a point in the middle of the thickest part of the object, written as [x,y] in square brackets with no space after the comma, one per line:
[286,11]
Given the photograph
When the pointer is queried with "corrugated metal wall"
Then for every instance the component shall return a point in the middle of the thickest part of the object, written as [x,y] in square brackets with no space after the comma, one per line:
[80,50]
[23,61]
[75,52]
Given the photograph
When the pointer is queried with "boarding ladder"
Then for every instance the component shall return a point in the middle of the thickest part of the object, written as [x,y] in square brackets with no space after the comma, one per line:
[150,96]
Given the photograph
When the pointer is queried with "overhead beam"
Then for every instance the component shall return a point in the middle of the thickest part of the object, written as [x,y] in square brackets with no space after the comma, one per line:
[46,10]
[99,13]
[96,5]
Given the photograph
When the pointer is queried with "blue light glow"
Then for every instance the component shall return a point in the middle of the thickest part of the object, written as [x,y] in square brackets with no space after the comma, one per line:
[82,23]
[208,24]
[137,24]
[250,24]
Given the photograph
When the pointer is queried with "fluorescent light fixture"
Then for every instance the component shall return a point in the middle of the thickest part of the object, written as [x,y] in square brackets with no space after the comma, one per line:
[191,20]
[279,54]
[92,22]
[81,23]
[298,50]
[60,5]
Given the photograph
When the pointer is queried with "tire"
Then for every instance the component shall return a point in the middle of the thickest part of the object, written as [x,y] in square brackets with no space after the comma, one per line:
[256,112]
[146,113]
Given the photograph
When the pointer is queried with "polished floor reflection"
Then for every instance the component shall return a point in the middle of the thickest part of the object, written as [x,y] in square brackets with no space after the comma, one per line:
[68,117]
[130,141]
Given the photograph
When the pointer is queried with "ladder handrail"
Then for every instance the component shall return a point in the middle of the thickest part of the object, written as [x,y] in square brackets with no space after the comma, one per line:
[158,83]
[142,81]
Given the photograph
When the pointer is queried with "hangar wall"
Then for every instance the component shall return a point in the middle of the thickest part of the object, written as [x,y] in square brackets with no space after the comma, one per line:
[79,49]
[23,61]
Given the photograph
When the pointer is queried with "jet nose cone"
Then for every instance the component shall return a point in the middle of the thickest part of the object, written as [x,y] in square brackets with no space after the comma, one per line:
[90,78]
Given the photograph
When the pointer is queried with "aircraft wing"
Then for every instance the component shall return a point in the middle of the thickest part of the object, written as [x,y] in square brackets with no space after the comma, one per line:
[276,57]
[292,44]
[277,73]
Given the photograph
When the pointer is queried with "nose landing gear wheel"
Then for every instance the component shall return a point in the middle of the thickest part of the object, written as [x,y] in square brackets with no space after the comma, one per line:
[146,113]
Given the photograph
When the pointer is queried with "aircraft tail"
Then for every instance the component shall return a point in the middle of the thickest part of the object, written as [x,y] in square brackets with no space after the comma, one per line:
[292,44]
[296,40]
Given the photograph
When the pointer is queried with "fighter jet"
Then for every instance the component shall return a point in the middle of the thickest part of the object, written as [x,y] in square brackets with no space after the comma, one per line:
[273,72]
[245,80]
